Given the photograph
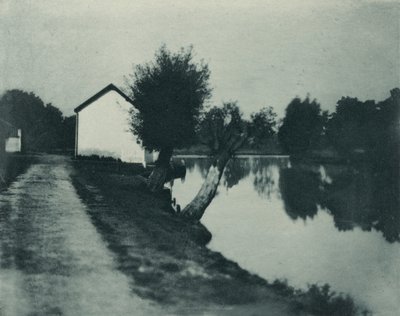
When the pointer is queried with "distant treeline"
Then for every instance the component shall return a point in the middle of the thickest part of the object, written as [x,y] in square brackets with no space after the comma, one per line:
[44,128]
[367,130]
[355,130]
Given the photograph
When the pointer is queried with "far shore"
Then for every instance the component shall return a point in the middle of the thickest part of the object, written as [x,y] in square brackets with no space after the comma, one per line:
[237,156]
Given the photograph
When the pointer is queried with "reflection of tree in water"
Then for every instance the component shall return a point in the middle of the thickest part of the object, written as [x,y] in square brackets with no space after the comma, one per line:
[300,192]
[239,168]
[236,170]
[264,182]
[367,199]
[261,169]
[202,163]
[354,197]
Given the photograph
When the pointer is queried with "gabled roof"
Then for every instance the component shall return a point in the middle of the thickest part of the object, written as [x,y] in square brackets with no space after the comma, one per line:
[99,94]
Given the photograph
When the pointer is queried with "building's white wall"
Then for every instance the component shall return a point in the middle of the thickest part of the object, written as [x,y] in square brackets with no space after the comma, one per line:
[104,130]
[13,144]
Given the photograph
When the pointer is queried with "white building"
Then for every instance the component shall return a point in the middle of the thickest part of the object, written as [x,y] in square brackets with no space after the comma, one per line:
[10,137]
[103,128]
[13,143]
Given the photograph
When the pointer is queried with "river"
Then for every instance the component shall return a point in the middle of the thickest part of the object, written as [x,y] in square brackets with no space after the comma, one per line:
[306,224]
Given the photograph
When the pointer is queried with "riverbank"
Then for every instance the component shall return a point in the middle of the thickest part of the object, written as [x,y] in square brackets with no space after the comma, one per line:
[166,258]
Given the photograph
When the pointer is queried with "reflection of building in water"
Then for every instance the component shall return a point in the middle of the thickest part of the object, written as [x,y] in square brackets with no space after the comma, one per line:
[353,196]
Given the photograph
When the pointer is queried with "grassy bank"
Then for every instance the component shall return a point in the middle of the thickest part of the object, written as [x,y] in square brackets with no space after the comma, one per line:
[166,258]
[11,165]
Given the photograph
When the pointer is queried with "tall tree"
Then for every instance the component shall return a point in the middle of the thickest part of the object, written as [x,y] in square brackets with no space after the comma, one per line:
[263,124]
[368,126]
[42,125]
[23,110]
[302,126]
[225,131]
[169,94]
[49,136]
[68,133]
[349,126]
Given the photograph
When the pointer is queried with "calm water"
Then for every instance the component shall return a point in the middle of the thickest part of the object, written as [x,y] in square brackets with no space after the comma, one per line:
[307,224]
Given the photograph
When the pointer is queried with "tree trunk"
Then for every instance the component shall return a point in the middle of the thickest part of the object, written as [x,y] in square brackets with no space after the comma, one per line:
[196,208]
[159,175]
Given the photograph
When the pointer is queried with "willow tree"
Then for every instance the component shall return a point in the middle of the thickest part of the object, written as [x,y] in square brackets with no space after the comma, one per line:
[169,94]
[225,131]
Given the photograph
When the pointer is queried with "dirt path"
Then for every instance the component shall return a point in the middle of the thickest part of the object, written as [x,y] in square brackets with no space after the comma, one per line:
[52,259]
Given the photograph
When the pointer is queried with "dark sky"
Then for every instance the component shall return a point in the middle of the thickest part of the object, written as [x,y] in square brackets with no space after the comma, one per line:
[261,53]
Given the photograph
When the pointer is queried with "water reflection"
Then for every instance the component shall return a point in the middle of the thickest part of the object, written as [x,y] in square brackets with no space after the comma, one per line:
[307,223]
[353,195]
[203,164]
[235,171]
[264,181]
[239,168]
[300,190]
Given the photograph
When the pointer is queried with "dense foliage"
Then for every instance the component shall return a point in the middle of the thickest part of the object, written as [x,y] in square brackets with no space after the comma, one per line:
[302,126]
[43,126]
[356,128]
[263,125]
[169,94]
[366,127]
[225,129]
